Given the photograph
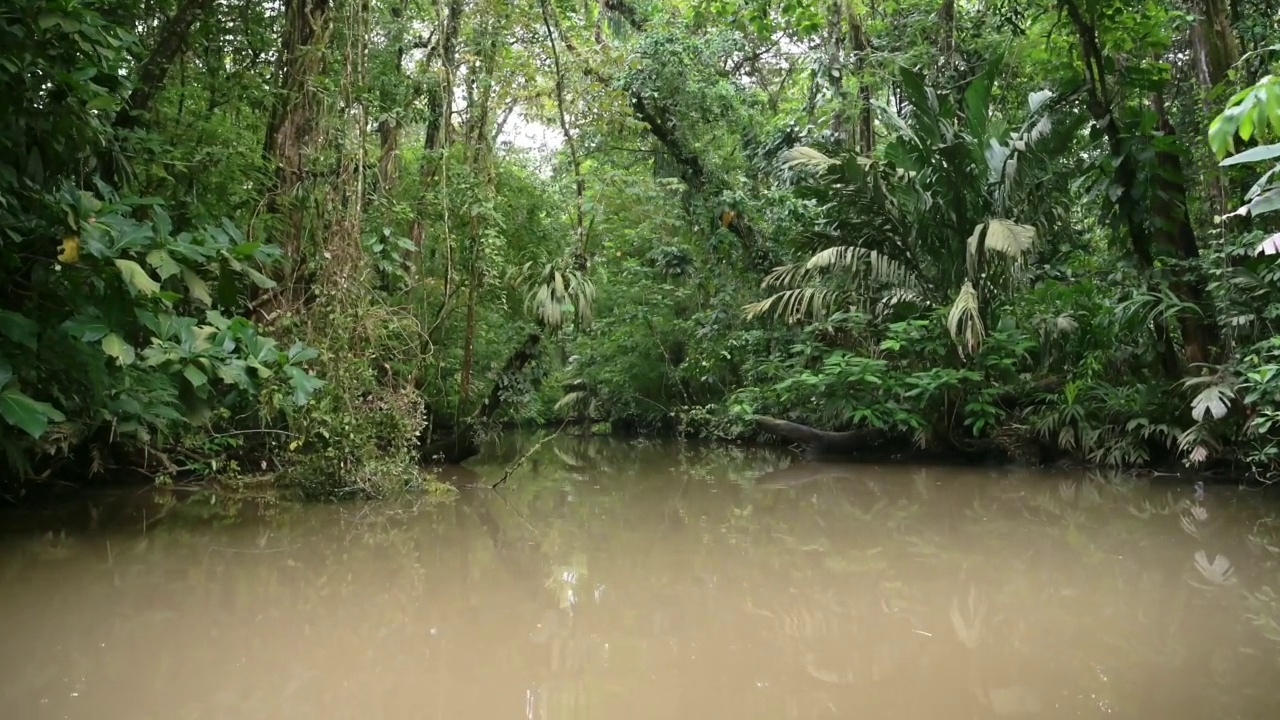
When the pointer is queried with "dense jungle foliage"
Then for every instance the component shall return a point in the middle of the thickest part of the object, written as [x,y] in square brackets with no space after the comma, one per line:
[326,241]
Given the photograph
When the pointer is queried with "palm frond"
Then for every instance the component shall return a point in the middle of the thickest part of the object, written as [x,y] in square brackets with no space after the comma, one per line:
[964,321]
[796,304]
[1005,237]
[805,158]
[572,399]
[1009,238]
[878,266]
[558,292]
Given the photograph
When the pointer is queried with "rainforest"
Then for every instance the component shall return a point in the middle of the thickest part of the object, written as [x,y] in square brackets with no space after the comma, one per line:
[334,245]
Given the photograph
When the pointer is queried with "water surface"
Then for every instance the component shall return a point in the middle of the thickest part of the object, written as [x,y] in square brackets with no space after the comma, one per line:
[615,580]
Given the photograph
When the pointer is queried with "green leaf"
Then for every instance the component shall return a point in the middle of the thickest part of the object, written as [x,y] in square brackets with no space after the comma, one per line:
[85,330]
[101,102]
[115,346]
[6,372]
[1213,400]
[259,279]
[195,376]
[1256,154]
[163,263]
[163,224]
[300,353]
[234,373]
[1266,202]
[304,385]
[197,287]
[28,415]
[137,278]
[18,328]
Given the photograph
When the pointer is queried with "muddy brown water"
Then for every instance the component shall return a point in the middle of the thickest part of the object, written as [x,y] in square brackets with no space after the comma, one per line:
[617,580]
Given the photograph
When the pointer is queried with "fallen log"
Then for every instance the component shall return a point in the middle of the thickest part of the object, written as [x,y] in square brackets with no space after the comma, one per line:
[869,444]
[823,442]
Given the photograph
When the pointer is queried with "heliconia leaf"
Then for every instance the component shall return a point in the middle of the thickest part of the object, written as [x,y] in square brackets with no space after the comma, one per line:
[1268,201]
[1254,154]
[1269,246]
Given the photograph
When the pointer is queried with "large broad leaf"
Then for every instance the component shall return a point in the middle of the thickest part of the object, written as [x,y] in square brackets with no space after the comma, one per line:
[19,328]
[301,353]
[197,287]
[234,372]
[1213,400]
[259,279]
[1255,154]
[1269,246]
[304,385]
[137,278]
[29,415]
[85,329]
[165,266]
[116,347]
[1268,201]
[195,376]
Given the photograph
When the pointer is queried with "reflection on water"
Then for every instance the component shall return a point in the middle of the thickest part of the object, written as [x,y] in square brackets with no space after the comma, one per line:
[610,580]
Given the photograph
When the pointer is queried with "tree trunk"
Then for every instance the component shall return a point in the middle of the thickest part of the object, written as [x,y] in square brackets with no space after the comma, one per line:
[861,49]
[153,71]
[1213,41]
[835,70]
[291,130]
[1172,221]
[440,98]
[1215,51]
[1173,229]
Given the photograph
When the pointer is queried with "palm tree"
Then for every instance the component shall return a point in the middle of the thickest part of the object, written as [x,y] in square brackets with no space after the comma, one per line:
[927,223]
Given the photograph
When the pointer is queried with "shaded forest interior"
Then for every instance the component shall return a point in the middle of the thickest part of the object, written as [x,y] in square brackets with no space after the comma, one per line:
[334,243]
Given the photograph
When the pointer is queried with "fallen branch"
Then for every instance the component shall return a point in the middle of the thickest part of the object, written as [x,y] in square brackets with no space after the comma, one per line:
[520,461]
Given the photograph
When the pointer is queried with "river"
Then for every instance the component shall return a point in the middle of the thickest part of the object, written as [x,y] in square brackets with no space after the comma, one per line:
[616,580]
